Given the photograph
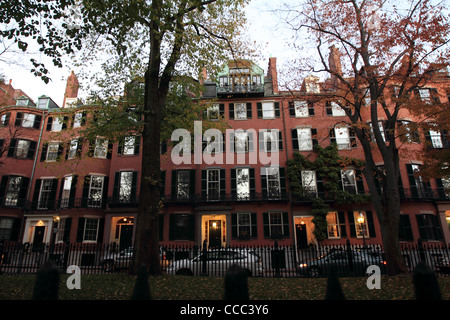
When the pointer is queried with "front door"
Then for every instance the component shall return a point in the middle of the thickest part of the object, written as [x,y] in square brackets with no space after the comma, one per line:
[215,233]
[302,238]
[38,238]
[126,236]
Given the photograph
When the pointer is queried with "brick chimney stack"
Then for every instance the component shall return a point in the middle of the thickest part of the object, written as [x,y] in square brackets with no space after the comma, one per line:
[272,74]
[334,63]
[72,87]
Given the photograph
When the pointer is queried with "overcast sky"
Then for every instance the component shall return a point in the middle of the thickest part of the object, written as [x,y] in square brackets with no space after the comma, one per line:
[264,26]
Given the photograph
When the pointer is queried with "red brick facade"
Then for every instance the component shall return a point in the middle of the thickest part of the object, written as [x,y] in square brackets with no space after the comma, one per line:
[95,199]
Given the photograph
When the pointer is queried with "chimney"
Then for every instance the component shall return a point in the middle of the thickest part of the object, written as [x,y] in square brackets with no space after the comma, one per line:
[334,63]
[72,87]
[272,74]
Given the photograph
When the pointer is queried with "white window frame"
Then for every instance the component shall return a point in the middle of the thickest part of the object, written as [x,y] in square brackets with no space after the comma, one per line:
[13,190]
[273,178]
[73,149]
[125,185]
[210,183]
[128,145]
[346,183]
[239,177]
[93,201]
[241,141]
[52,152]
[22,148]
[272,137]
[358,227]
[77,120]
[436,139]
[91,225]
[183,176]
[44,194]
[309,182]
[28,120]
[268,107]
[101,148]
[245,225]
[57,124]
[240,111]
[273,222]
[304,136]
[342,136]
[337,110]
[301,109]
[333,226]
[60,230]
[67,188]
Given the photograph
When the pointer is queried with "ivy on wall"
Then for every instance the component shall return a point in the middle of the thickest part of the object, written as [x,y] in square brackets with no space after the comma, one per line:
[327,165]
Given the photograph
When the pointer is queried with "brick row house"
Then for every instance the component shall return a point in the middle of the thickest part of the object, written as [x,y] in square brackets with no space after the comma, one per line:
[59,187]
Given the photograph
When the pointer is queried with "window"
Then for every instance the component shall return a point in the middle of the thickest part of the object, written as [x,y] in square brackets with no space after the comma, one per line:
[429,227]
[56,124]
[419,188]
[183,184]
[273,182]
[428,95]
[244,225]
[302,109]
[74,148]
[270,140]
[240,111]
[13,189]
[60,231]
[436,139]
[268,110]
[223,82]
[343,137]
[333,225]
[66,189]
[213,112]
[276,225]
[361,224]
[28,120]
[95,191]
[213,184]
[78,119]
[4,119]
[181,227]
[90,230]
[381,127]
[242,183]
[349,181]
[241,141]
[45,194]
[22,149]
[309,183]
[125,185]
[53,151]
[6,228]
[408,131]
[129,146]
[101,148]
[305,142]
[334,109]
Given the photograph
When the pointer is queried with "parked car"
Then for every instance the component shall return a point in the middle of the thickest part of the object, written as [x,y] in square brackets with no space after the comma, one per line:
[339,261]
[123,259]
[443,266]
[217,262]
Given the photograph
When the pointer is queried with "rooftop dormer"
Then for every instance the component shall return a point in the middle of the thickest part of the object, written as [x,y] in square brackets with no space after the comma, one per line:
[24,101]
[45,102]
[241,78]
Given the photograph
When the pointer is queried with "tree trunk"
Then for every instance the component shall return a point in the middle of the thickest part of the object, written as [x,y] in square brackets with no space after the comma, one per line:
[149,209]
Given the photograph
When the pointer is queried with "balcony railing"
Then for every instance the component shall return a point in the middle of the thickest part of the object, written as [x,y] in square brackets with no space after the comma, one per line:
[254,88]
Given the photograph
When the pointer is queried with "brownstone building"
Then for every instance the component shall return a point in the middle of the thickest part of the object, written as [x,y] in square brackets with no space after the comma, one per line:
[48,194]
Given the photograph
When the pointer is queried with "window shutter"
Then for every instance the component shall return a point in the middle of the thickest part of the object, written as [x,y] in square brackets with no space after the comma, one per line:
[359,182]
[67,227]
[3,185]
[234,226]
[163,149]
[15,230]
[231,110]
[370,224]
[174,187]
[73,190]
[314,137]
[79,147]
[23,191]
[404,228]
[37,190]
[12,148]
[222,184]
[328,108]
[351,133]
[259,110]
[37,122]
[161,227]
[332,135]
[86,184]
[134,186]
[251,172]
[204,186]
[109,151]
[291,109]
[233,184]
[105,192]
[64,124]
[101,228]
[31,150]
[6,121]
[19,118]
[412,181]
[285,224]
[52,196]
[249,110]
[172,226]
[60,151]
[137,145]
[266,225]
[263,183]
[120,146]
[351,222]
[49,124]
[254,225]
[277,109]
[44,152]
[280,141]
[163,184]
[282,182]
[192,183]
[343,229]
[116,188]
[80,229]
[294,139]
[91,148]
[221,109]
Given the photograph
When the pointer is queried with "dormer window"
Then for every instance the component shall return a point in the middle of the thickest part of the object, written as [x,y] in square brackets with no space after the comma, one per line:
[22,102]
[43,102]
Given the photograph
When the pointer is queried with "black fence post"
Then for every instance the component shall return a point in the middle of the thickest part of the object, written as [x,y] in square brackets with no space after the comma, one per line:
[204,258]
[349,256]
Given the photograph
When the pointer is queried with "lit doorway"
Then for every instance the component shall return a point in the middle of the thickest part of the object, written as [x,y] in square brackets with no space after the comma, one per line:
[304,228]
[214,231]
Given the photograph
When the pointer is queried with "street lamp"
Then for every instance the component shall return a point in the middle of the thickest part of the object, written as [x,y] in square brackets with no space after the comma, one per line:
[361,222]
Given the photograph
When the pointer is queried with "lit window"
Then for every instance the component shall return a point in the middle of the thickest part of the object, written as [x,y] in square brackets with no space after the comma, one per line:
[361,225]
[333,225]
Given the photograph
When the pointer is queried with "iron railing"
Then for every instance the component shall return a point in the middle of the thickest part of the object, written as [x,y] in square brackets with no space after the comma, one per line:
[263,261]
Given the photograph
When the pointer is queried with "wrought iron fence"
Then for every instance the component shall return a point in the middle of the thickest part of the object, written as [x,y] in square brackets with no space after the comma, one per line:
[262,261]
